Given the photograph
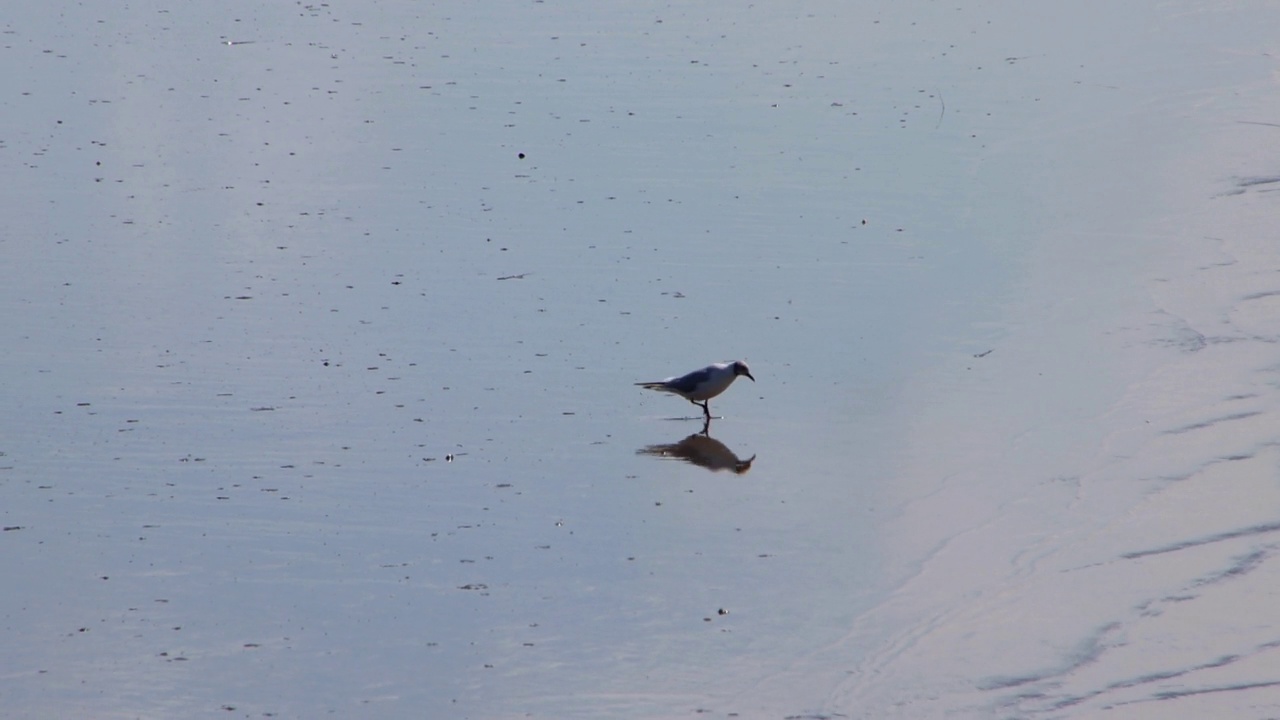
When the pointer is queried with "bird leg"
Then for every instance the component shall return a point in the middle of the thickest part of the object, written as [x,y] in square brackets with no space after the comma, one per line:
[706,411]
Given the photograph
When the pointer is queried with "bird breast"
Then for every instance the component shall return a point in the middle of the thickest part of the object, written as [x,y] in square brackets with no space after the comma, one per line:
[715,385]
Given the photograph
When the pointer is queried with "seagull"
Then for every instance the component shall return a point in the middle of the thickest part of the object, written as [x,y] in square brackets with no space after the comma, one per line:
[700,386]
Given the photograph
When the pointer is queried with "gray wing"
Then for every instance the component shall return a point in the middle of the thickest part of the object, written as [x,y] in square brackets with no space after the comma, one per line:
[689,383]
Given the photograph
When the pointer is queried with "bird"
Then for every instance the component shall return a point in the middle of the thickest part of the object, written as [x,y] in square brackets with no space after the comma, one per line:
[700,386]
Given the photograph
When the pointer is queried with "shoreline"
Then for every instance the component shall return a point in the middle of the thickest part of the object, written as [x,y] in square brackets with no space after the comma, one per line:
[1099,536]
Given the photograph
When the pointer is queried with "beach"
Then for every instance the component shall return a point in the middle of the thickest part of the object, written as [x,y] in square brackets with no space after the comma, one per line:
[324,326]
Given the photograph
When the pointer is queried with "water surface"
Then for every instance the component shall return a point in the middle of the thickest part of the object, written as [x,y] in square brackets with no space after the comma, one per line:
[323,325]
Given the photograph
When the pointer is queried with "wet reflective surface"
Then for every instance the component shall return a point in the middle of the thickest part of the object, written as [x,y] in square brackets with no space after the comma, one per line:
[702,450]
[323,324]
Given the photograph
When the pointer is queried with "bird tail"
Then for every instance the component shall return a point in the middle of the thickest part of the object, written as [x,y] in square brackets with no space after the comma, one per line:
[659,386]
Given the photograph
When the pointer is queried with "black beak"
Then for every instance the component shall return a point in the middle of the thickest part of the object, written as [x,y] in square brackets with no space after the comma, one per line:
[749,375]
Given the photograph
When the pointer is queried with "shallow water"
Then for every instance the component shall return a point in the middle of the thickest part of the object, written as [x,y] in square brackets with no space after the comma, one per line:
[324,322]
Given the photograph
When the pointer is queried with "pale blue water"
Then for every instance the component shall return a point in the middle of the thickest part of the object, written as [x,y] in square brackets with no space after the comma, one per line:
[321,394]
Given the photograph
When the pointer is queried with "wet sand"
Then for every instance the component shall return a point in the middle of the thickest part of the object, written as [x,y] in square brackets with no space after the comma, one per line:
[324,323]
[1102,542]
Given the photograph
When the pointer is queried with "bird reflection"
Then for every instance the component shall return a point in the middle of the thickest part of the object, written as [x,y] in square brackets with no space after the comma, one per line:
[702,450]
